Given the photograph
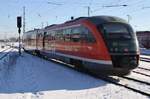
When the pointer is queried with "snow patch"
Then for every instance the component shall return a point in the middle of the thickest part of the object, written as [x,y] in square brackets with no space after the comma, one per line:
[34,78]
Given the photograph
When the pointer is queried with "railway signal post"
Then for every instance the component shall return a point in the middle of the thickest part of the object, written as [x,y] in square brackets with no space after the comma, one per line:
[19,25]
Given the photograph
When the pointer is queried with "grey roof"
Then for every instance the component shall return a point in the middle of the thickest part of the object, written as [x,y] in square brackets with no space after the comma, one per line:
[105,19]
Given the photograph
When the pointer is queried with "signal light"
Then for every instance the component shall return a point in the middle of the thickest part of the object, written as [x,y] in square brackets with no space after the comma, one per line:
[19,22]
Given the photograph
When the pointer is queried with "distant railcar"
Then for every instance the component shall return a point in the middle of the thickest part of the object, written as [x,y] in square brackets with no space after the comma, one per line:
[103,44]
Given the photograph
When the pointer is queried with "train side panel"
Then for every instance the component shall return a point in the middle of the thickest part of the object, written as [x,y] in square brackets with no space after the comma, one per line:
[85,42]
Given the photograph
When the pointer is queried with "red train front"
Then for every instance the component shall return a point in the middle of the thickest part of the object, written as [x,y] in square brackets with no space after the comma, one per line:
[101,44]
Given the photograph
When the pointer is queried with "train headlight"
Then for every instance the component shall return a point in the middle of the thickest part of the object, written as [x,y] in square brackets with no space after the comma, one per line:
[116,49]
[126,50]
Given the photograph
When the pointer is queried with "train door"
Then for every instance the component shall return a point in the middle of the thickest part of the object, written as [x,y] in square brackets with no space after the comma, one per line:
[36,38]
[53,43]
[44,37]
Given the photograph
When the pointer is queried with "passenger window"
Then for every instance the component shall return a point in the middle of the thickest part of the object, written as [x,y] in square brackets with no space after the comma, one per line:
[53,35]
[87,35]
[75,34]
[59,35]
[67,34]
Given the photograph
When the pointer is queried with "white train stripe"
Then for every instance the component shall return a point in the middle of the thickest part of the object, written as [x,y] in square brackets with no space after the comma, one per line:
[83,59]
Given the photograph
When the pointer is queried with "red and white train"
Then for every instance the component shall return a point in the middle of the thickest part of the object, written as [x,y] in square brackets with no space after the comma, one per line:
[103,44]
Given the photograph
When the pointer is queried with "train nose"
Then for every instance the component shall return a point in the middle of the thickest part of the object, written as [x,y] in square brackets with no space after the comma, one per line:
[128,62]
[133,64]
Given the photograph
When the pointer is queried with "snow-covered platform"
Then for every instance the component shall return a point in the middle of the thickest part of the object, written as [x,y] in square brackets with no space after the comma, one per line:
[29,77]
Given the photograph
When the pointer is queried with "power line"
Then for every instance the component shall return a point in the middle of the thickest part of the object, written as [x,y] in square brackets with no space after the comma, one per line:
[54,3]
[115,5]
[109,6]
[133,7]
[138,6]
[146,7]
[91,3]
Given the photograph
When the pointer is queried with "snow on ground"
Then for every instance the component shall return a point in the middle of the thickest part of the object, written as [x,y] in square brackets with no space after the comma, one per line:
[29,77]
[139,77]
[145,56]
[3,47]
[144,64]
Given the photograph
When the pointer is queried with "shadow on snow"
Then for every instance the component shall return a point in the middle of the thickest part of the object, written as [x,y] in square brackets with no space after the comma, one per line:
[27,73]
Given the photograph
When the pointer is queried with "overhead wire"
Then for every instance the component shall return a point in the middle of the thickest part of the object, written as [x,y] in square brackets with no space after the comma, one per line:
[119,5]
[133,4]
[137,6]
[80,4]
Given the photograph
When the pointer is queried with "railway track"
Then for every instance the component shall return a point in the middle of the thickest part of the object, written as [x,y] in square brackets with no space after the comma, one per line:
[144,68]
[132,84]
[142,71]
[127,82]
[133,79]
[145,59]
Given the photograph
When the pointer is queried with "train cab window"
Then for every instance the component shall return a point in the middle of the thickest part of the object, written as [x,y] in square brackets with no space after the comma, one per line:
[75,34]
[116,31]
[87,35]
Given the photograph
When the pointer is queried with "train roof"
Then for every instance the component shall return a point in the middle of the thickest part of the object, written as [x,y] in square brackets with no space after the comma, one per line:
[97,20]
[35,31]
[32,31]
[105,19]
[50,26]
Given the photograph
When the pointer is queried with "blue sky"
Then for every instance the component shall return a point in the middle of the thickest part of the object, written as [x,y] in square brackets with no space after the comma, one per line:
[58,11]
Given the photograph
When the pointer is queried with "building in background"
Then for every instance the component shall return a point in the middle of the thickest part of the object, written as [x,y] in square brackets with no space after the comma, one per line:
[144,39]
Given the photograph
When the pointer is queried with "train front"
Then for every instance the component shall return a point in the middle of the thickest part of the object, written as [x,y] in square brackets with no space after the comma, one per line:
[122,44]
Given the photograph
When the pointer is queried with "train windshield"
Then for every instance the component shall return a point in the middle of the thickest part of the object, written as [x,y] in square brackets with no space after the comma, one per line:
[116,31]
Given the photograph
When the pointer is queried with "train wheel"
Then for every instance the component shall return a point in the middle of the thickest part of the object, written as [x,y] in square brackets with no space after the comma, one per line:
[38,53]
[77,63]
